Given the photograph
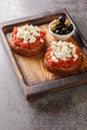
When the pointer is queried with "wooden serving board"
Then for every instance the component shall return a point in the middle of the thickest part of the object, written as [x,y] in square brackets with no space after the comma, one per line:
[34,78]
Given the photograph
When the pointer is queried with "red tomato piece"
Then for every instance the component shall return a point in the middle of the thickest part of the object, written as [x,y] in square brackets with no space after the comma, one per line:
[23,45]
[15,30]
[37,38]
[49,49]
[37,43]
[42,34]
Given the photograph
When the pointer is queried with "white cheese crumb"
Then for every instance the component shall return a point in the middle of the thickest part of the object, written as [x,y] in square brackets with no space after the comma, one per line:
[32,39]
[41,40]
[54,59]
[28,33]
[75,57]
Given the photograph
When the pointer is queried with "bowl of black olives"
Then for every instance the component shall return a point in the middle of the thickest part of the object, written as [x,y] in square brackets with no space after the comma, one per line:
[61,28]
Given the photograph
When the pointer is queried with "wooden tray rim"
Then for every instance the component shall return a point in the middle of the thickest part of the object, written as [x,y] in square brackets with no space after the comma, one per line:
[48,85]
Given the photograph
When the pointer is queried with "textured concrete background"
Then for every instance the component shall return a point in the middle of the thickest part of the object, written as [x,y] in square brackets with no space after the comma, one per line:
[64,110]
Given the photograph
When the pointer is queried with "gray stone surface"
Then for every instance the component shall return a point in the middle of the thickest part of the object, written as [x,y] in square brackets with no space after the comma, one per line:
[63,110]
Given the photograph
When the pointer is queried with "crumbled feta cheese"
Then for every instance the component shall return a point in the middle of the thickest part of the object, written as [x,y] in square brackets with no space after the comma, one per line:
[41,40]
[32,39]
[61,55]
[54,59]
[53,43]
[63,50]
[71,45]
[28,33]
[75,57]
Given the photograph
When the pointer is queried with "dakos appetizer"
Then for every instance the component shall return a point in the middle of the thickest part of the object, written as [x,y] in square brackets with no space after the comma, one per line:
[28,40]
[63,57]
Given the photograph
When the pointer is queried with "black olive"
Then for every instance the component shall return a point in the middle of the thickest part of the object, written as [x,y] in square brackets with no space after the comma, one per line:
[67,32]
[61,33]
[59,26]
[58,32]
[53,31]
[64,30]
[70,27]
[64,26]
[62,19]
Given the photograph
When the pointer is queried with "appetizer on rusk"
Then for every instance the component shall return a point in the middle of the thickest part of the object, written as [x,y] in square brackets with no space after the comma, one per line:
[63,57]
[28,40]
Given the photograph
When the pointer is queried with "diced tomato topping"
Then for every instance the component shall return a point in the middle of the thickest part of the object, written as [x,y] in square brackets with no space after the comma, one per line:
[23,45]
[62,64]
[15,30]
[49,49]
[42,34]
[37,43]
[52,63]
[37,38]
[59,65]
[19,42]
